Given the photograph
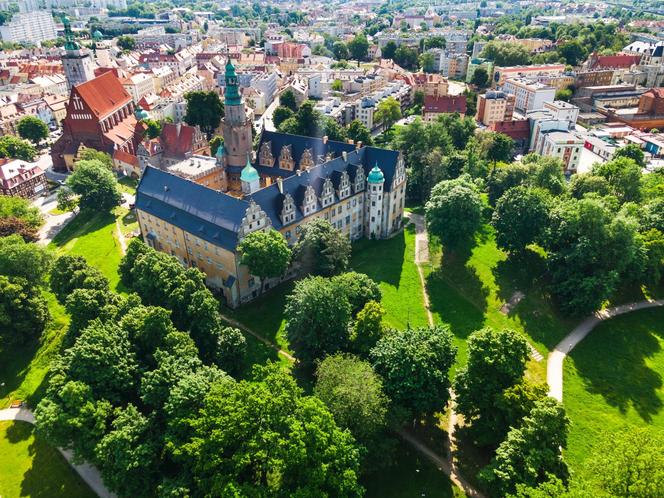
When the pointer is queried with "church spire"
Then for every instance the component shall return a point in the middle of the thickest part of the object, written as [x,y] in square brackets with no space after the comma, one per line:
[70,42]
[232,93]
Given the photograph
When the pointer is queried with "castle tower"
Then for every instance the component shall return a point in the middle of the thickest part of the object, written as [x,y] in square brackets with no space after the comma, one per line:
[375,182]
[77,61]
[236,127]
[249,178]
[221,161]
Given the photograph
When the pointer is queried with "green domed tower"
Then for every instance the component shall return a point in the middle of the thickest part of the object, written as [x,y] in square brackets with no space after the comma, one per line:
[251,181]
[236,126]
[375,201]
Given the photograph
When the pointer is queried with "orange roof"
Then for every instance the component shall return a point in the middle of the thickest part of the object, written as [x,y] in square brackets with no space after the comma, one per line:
[103,94]
[125,157]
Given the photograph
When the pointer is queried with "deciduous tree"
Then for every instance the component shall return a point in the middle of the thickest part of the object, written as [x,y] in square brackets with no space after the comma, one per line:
[22,259]
[32,128]
[23,311]
[321,249]
[266,254]
[204,109]
[96,186]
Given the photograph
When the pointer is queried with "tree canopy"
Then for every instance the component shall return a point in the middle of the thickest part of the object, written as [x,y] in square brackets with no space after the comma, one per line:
[96,186]
[321,249]
[204,109]
[32,128]
[266,253]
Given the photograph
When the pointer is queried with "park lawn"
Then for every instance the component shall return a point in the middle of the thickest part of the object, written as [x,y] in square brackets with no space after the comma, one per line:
[613,379]
[127,185]
[409,475]
[94,236]
[468,295]
[29,467]
[391,263]
[24,369]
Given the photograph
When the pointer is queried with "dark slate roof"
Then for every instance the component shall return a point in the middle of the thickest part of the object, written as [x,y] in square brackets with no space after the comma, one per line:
[299,144]
[201,211]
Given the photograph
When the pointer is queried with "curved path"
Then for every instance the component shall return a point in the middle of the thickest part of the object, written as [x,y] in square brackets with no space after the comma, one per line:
[87,472]
[554,365]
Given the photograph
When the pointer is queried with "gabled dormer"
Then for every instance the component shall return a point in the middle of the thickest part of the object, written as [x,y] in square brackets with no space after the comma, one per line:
[309,201]
[359,179]
[288,210]
[399,173]
[286,158]
[343,189]
[327,193]
[306,160]
[254,219]
[265,157]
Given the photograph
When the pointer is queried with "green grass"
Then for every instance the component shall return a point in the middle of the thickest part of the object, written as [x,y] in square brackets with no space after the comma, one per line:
[391,263]
[410,475]
[127,185]
[31,468]
[613,379]
[24,369]
[94,236]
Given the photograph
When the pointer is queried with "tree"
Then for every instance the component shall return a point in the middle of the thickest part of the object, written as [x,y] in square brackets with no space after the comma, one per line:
[564,94]
[388,112]
[359,133]
[499,147]
[126,42]
[428,62]
[102,358]
[66,199]
[265,438]
[337,86]
[530,453]
[23,311]
[633,152]
[21,259]
[204,109]
[406,57]
[18,207]
[215,142]
[287,99]
[32,128]
[454,212]
[353,392]
[129,454]
[506,53]
[321,249]
[573,52]
[389,50]
[624,177]
[96,186]
[520,218]
[153,128]
[15,148]
[496,362]
[318,313]
[583,184]
[368,328]
[359,289]
[72,272]
[629,463]
[480,78]
[90,154]
[281,114]
[653,243]
[16,226]
[414,365]
[358,47]
[266,253]
[340,51]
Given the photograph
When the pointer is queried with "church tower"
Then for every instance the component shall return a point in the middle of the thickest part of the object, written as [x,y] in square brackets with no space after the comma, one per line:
[77,61]
[236,127]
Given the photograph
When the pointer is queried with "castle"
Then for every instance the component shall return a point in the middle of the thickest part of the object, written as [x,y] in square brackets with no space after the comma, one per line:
[360,190]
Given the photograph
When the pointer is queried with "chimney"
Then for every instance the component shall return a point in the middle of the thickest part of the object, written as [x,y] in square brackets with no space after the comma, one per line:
[325,139]
[280,185]
[358,145]
[344,154]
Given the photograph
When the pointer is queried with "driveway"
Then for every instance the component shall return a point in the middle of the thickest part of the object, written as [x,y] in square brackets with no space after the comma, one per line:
[53,223]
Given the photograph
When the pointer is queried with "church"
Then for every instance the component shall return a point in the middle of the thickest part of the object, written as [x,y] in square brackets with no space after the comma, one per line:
[290,181]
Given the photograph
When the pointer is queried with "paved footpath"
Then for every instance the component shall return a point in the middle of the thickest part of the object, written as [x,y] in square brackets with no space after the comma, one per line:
[554,366]
[87,472]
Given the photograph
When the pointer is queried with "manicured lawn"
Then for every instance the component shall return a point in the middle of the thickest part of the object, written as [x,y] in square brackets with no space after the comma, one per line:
[127,185]
[391,263]
[23,370]
[613,379]
[410,475]
[94,236]
[31,468]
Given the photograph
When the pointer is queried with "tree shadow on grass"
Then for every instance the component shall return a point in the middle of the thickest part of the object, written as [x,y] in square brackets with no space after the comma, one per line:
[14,365]
[458,296]
[87,221]
[469,458]
[381,260]
[611,362]
[18,431]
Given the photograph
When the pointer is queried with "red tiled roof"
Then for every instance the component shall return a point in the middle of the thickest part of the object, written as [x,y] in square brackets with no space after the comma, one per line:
[615,61]
[125,157]
[103,94]
[177,140]
[658,92]
[445,104]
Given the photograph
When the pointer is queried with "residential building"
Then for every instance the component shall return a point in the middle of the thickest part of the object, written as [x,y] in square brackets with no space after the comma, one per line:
[21,178]
[494,106]
[474,64]
[502,74]
[449,104]
[529,94]
[291,181]
[450,64]
[518,130]
[139,85]
[176,143]
[564,145]
[33,27]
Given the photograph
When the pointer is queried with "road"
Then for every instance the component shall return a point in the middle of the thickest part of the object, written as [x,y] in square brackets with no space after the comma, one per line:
[266,119]
[53,223]
[554,366]
[87,472]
